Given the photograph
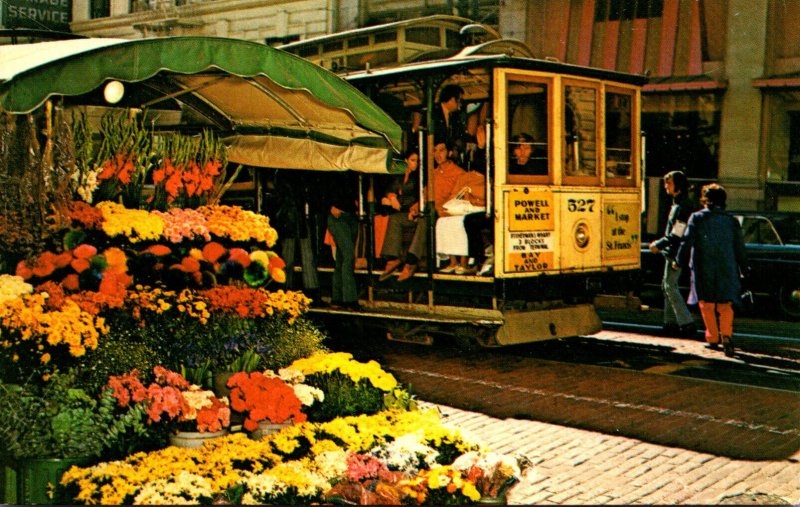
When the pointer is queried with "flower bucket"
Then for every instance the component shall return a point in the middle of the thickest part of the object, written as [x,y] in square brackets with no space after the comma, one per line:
[268,428]
[194,439]
[221,384]
[29,482]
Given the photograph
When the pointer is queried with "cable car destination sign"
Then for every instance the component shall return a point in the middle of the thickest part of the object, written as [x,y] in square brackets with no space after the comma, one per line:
[529,241]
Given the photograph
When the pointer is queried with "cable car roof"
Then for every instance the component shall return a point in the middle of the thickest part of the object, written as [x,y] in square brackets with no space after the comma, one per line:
[466,60]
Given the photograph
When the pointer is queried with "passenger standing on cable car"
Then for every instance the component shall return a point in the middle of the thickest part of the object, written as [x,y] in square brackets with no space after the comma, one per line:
[713,248]
[340,197]
[448,126]
[678,320]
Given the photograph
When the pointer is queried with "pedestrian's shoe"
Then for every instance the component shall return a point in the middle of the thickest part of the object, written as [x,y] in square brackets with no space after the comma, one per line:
[391,266]
[487,268]
[727,345]
[408,272]
[712,346]
[450,268]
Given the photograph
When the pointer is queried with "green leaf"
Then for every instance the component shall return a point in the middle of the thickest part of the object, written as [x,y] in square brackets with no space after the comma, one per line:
[74,238]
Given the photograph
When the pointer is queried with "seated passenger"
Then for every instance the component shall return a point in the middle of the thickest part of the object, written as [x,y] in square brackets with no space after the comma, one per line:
[522,161]
[444,177]
[452,237]
[401,194]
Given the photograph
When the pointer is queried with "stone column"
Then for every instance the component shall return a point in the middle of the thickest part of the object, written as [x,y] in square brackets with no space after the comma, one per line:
[745,59]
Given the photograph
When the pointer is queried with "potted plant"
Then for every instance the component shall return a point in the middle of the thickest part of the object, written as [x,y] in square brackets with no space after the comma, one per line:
[191,414]
[247,362]
[44,430]
[268,399]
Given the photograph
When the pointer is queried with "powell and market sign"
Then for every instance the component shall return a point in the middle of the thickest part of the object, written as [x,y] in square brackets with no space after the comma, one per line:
[42,14]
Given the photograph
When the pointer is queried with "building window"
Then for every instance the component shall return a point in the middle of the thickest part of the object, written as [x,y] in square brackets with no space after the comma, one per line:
[682,133]
[616,10]
[99,9]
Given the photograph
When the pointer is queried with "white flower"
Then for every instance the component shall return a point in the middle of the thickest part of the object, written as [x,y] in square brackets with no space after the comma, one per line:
[308,394]
[331,464]
[184,489]
[406,453]
[12,287]
[291,376]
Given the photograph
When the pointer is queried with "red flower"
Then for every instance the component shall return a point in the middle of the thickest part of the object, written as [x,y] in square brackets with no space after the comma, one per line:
[80,265]
[44,265]
[71,282]
[158,250]
[239,255]
[23,270]
[262,398]
[84,251]
[63,260]
[213,251]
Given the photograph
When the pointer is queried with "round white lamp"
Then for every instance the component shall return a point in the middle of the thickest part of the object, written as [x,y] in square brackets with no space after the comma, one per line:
[113,92]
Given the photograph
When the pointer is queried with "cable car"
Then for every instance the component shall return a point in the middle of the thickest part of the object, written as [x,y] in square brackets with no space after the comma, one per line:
[560,229]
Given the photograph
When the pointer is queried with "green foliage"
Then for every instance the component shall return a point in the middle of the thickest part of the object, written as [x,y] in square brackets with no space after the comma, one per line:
[54,421]
[128,431]
[343,397]
[247,362]
[117,353]
[281,343]
[200,375]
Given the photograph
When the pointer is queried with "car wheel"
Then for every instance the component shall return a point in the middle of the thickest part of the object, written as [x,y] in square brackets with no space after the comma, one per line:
[789,300]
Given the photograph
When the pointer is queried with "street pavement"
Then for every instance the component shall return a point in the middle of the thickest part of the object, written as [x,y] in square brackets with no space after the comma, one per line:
[574,466]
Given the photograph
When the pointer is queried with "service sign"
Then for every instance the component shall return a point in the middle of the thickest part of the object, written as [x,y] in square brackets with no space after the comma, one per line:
[41,14]
[530,239]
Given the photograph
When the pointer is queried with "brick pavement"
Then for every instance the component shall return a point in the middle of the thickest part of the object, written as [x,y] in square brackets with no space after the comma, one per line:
[574,466]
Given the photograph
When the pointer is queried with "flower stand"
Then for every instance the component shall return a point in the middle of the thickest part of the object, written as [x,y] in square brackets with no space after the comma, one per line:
[194,439]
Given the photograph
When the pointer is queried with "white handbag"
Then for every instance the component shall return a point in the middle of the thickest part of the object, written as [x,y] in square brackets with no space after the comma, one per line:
[458,205]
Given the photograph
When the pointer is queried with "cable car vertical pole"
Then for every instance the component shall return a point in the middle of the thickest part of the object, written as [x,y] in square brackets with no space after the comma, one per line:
[489,176]
[430,215]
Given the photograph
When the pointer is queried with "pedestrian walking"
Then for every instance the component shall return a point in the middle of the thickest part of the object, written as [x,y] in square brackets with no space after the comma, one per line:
[678,320]
[713,248]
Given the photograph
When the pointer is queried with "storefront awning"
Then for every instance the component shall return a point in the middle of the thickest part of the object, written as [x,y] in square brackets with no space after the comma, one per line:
[273,108]
[791,80]
[683,84]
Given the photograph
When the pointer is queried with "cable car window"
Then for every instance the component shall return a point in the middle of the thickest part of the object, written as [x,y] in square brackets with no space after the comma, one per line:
[424,35]
[580,131]
[619,135]
[528,154]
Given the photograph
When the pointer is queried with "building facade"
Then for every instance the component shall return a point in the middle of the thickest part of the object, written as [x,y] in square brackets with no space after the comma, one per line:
[722,103]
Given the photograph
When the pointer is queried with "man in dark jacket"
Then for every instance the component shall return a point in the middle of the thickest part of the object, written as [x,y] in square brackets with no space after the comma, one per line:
[715,244]
[341,199]
[677,319]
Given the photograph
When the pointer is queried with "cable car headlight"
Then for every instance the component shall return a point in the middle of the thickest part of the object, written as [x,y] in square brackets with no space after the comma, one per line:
[581,235]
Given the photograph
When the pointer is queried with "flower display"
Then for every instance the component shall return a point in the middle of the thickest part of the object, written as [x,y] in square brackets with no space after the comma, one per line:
[439,486]
[344,363]
[172,399]
[134,224]
[34,338]
[298,465]
[183,224]
[261,398]
[238,224]
[492,473]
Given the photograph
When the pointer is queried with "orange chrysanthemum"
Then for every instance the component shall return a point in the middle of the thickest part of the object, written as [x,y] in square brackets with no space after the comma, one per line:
[213,251]
[80,265]
[239,255]
[158,250]
[84,251]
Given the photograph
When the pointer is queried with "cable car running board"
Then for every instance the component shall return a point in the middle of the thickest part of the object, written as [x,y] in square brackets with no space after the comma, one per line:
[420,317]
